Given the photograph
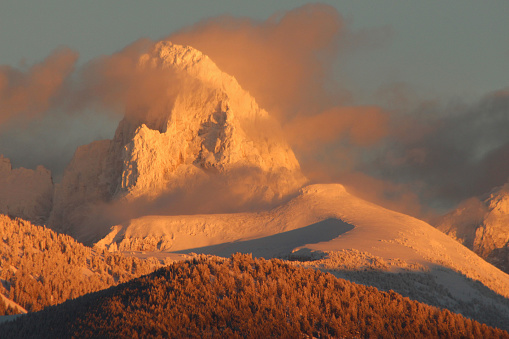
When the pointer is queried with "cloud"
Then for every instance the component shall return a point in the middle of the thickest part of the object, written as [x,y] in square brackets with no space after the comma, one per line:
[398,154]
[392,195]
[25,95]
[49,110]
[459,150]
[362,126]
[285,62]
[118,83]
[239,190]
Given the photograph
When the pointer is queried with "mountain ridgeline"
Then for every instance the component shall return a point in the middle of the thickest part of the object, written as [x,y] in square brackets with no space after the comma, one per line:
[242,297]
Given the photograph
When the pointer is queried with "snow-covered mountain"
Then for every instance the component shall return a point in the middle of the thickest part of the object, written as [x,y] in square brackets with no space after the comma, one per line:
[25,193]
[483,226]
[211,130]
[208,136]
[328,228]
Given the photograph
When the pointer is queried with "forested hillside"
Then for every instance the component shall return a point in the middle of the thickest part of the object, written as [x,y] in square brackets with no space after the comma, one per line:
[6,309]
[40,267]
[244,297]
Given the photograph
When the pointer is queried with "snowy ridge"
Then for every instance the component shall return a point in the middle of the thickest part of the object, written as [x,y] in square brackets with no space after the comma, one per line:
[396,238]
[326,228]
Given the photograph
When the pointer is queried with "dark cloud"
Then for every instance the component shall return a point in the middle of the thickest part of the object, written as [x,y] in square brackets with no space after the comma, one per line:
[457,150]
[52,139]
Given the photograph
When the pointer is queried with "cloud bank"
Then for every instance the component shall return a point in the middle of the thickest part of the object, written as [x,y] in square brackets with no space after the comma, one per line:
[25,95]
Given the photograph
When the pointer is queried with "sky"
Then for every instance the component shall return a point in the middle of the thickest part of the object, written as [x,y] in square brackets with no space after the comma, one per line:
[413,96]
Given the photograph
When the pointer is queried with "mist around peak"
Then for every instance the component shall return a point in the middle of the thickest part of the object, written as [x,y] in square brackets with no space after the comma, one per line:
[203,145]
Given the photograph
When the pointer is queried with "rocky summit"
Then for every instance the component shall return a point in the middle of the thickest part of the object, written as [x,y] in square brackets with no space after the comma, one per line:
[206,128]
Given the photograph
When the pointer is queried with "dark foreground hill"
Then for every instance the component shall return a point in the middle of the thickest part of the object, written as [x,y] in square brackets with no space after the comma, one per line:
[243,297]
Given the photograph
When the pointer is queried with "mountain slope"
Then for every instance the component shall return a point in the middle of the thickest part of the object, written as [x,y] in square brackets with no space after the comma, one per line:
[209,130]
[483,226]
[242,297]
[381,232]
[40,268]
[348,236]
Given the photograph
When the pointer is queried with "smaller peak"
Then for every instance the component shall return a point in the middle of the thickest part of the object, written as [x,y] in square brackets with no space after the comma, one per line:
[181,57]
[191,61]
[178,54]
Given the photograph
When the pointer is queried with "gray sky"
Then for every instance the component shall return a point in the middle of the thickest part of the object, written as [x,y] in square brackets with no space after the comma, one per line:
[444,48]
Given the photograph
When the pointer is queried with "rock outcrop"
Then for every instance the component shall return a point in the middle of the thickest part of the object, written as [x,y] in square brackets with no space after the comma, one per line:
[483,226]
[25,193]
[82,186]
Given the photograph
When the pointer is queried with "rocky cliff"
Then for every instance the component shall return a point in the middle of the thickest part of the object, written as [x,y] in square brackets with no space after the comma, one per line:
[25,193]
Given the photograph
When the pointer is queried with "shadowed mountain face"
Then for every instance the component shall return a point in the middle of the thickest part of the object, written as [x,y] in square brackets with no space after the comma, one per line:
[282,244]
[241,297]
[483,226]
[25,193]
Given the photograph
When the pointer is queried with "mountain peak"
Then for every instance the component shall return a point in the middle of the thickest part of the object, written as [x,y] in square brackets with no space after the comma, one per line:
[204,128]
[212,125]
[184,58]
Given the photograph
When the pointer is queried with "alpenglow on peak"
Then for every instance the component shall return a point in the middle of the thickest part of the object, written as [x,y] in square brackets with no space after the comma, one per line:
[204,128]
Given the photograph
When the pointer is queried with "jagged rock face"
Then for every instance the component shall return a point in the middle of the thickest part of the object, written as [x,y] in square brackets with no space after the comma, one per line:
[211,130]
[494,231]
[483,226]
[214,127]
[82,185]
[25,193]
